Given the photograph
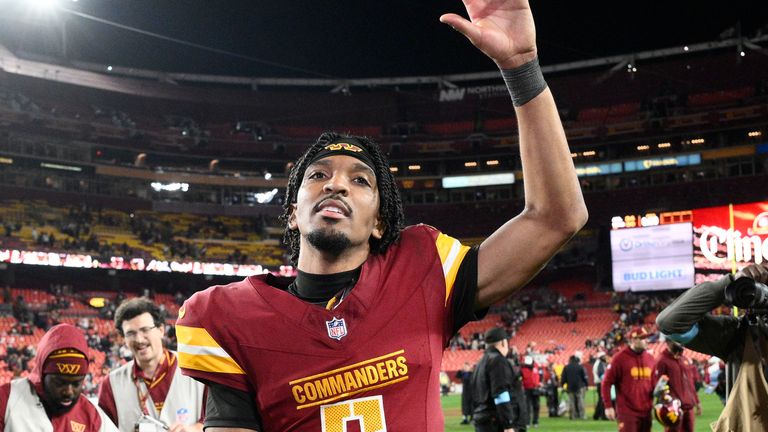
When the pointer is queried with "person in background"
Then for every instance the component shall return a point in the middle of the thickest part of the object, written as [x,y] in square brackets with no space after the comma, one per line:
[631,372]
[739,340]
[574,379]
[151,385]
[598,372]
[532,385]
[677,368]
[50,398]
[498,406]
[551,386]
[465,375]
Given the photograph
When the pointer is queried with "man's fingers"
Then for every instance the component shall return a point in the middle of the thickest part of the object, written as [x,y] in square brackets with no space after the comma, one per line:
[762,272]
[754,271]
[462,25]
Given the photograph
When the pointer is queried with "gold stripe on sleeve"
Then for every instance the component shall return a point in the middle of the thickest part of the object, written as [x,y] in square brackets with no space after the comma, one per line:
[199,351]
[451,253]
[209,363]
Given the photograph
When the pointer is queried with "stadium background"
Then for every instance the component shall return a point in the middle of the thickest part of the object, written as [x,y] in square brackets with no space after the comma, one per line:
[150,167]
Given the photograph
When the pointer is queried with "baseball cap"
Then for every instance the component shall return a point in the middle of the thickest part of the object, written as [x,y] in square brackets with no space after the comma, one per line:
[638,332]
[495,334]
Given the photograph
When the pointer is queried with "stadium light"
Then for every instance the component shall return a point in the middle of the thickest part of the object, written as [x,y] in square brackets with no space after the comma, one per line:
[650,219]
[265,197]
[617,222]
[43,5]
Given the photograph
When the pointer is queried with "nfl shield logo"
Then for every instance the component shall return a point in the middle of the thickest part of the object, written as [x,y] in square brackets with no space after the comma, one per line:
[182,415]
[337,328]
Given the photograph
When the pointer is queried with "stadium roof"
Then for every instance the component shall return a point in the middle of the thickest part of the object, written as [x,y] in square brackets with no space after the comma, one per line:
[348,38]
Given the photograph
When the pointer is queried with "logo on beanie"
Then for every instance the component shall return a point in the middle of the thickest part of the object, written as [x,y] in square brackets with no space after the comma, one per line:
[343,146]
[68,368]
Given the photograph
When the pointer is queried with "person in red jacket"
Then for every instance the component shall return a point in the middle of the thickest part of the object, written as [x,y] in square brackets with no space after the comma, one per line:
[631,372]
[677,368]
[532,385]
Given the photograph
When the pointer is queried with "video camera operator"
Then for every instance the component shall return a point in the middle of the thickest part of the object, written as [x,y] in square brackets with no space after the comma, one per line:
[741,341]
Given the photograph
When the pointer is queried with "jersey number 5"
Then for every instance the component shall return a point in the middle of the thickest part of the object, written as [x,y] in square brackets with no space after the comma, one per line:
[368,411]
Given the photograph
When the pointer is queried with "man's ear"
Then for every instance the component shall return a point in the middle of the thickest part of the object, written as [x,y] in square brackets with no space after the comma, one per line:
[292,218]
[379,229]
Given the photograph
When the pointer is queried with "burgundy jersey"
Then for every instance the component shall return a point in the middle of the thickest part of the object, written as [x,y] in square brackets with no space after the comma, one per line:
[370,363]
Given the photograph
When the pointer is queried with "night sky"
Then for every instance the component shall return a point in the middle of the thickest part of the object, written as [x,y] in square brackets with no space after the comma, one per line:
[351,39]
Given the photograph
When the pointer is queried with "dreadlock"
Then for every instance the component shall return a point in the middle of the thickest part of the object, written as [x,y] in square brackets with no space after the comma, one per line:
[390,205]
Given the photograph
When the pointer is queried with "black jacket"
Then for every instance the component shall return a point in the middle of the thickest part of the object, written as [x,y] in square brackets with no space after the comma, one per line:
[496,391]
[574,375]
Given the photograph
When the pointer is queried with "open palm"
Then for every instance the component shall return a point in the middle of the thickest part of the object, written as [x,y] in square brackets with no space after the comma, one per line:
[502,29]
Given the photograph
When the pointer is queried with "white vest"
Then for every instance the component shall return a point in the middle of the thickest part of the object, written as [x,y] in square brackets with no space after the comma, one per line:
[184,402]
[29,414]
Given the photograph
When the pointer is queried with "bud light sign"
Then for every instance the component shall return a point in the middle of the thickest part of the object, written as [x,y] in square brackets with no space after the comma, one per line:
[652,258]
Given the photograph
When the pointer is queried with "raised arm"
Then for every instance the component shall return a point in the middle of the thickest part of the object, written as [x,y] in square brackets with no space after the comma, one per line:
[554,206]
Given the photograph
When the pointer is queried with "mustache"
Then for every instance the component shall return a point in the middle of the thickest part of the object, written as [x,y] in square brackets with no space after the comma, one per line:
[335,197]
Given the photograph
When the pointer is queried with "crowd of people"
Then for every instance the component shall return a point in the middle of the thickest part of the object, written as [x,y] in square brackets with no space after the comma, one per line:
[72,231]
[17,356]
[624,379]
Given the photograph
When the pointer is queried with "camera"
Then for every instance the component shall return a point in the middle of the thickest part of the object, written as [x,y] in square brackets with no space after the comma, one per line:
[747,293]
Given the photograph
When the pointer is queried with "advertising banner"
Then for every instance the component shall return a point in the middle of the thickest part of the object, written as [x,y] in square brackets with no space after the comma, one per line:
[729,238]
[652,258]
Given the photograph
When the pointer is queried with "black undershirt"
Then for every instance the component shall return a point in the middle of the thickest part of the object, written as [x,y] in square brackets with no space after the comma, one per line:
[319,289]
[228,407]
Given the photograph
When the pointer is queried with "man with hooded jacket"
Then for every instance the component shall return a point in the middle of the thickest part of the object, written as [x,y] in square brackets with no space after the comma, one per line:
[51,399]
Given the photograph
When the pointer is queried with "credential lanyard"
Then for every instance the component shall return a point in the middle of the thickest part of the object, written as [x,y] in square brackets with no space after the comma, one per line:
[143,394]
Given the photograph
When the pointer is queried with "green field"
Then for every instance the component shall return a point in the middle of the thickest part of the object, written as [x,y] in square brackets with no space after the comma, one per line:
[711,408]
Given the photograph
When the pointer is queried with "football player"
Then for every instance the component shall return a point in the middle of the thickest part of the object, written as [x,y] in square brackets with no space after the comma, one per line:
[356,340]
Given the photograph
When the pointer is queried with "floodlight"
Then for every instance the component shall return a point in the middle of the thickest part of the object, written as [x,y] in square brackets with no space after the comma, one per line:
[43,5]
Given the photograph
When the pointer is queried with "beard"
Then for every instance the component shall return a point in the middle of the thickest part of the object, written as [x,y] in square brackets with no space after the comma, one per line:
[54,408]
[329,241]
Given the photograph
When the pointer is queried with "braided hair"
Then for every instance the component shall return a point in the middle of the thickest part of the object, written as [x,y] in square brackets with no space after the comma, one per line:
[390,206]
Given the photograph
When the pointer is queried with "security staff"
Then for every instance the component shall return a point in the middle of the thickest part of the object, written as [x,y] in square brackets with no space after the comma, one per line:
[498,403]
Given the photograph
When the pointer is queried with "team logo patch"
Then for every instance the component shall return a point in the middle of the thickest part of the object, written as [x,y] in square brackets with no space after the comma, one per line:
[337,328]
[76,427]
[343,146]
[68,368]
[182,311]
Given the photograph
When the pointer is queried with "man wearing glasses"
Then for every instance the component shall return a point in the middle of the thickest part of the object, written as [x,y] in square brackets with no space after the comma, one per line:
[150,388]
